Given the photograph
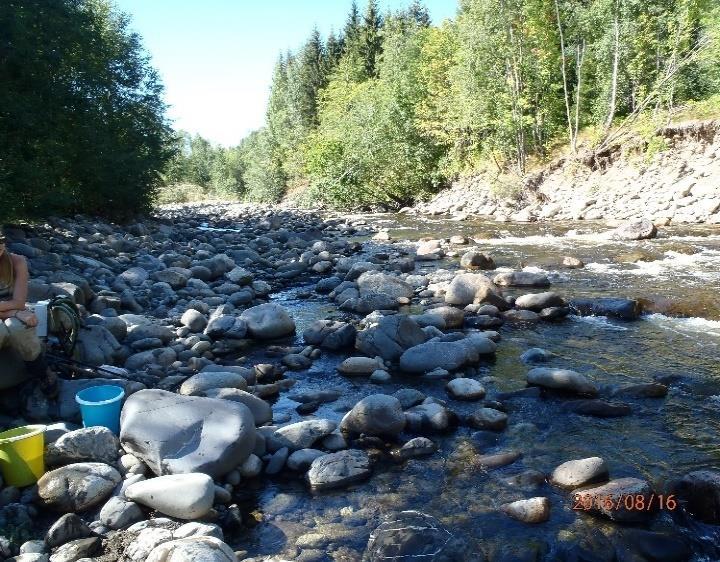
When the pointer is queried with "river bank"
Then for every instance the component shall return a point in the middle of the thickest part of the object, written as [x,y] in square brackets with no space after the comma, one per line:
[332,373]
[671,179]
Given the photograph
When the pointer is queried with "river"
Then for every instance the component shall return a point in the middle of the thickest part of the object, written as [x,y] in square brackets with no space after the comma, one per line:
[663,438]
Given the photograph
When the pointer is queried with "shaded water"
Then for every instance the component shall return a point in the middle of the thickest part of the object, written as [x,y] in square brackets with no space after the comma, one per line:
[662,439]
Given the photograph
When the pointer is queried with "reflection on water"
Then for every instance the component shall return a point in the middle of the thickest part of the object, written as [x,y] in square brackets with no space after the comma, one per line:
[661,439]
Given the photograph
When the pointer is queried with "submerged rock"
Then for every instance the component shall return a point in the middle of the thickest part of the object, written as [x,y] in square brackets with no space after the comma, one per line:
[624,309]
[340,469]
[531,510]
[562,379]
[618,500]
[700,493]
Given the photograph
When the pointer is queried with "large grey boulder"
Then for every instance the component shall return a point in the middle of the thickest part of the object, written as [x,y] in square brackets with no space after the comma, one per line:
[390,337]
[469,288]
[377,414]
[562,379]
[77,487]
[538,301]
[261,410]
[209,379]
[176,434]
[268,321]
[378,282]
[521,279]
[185,496]
[413,536]
[340,469]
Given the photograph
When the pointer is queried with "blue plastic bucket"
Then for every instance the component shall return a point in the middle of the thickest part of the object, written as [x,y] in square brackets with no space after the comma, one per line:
[101,405]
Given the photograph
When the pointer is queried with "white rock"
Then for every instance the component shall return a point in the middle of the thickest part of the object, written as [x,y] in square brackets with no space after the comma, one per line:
[185,496]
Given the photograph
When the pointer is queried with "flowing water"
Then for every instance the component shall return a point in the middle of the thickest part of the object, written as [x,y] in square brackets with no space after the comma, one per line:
[679,272]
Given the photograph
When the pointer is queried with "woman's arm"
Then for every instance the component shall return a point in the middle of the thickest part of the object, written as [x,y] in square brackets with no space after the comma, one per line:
[20,290]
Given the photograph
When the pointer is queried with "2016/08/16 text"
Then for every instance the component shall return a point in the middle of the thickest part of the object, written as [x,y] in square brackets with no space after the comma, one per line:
[629,502]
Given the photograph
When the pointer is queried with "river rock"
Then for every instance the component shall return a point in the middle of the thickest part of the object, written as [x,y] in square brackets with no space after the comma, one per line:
[158,427]
[97,346]
[474,259]
[624,309]
[563,380]
[452,317]
[536,355]
[97,444]
[185,496]
[448,355]
[620,490]
[77,487]
[580,472]
[194,320]
[642,390]
[193,549]
[414,536]
[390,337]
[304,434]
[268,321]
[637,230]
[261,410]
[465,389]
[119,514]
[538,301]
[468,288]
[67,528]
[416,448]
[429,417]
[145,541]
[201,382]
[77,550]
[487,418]
[330,334]
[699,492]
[378,282]
[337,470]
[598,408]
[360,365]
[532,510]
[521,279]
[377,414]
[302,459]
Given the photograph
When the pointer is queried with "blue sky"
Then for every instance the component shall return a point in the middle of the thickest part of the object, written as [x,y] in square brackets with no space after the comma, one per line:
[216,56]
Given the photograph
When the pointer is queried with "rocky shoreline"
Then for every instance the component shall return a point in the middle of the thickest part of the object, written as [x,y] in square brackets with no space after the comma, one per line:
[181,311]
[676,185]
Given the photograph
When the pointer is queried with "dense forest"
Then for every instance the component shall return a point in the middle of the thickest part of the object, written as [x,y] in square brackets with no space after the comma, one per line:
[381,113]
[82,118]
[392,107]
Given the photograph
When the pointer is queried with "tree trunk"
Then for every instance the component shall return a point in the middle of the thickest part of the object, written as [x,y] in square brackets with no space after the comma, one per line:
[564,76]
[616,64]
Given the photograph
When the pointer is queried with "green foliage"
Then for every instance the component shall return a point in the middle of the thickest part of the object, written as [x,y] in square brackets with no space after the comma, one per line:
[82,126]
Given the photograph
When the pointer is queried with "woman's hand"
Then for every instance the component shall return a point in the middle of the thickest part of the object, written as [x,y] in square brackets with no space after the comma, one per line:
[26,317]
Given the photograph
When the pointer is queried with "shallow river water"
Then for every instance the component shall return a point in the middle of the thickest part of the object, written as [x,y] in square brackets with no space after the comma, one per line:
[663,438]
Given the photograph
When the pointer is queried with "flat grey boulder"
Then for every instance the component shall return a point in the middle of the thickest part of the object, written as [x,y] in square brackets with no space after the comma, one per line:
[563,380]
[469,288]
[377,414]
[192,549]
[360,365]
[176,434]
[337,470]
[302,435]
[194,320]
[474,259]
[97,444]
[118,513]
[97,346]
[77,487]
[212,379]
[488,418]
[185,496]
[413,536]
[580,472]
[390,337]
[378,282]
[521,279]
[268,321]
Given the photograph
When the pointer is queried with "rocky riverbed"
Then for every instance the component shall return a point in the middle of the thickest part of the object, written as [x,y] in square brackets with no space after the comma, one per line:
[375,388]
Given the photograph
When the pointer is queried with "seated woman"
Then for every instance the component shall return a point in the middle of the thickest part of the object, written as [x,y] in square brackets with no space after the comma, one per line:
[17,324]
